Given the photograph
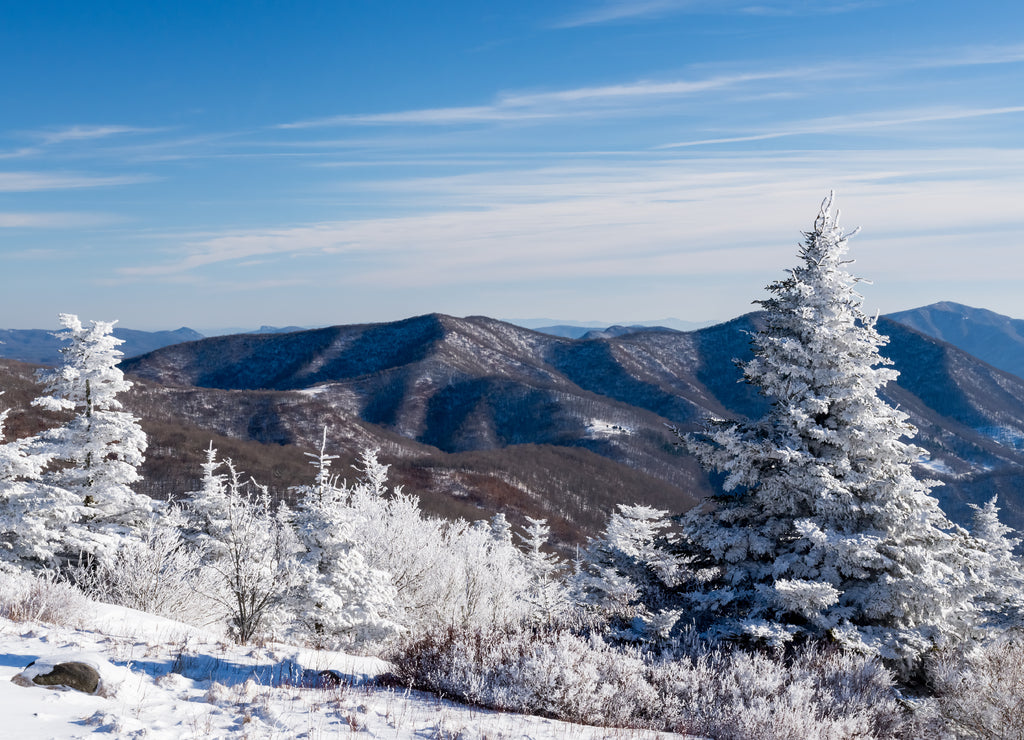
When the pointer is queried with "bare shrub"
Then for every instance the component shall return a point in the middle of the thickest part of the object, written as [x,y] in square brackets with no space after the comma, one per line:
[980,688]
[42,597]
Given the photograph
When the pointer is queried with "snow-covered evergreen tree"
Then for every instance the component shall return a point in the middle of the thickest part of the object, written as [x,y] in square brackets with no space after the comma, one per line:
[627,575]
[340,600]
[207,508]
[999,569]
[372,472]
[38,521]
[821,526]
[103,445]
[546,592]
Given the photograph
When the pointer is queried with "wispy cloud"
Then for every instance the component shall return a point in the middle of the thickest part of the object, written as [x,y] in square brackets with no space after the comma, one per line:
[59,220]
[545,105]
[24,182]
[85,133]
[622,220]
[808,7]
[620,10]
[637,97]
[26,151]
[624,10]
[864,122]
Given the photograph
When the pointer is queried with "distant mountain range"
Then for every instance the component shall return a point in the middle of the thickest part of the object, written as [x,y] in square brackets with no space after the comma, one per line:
[478,415]
[43,348]
[581,329]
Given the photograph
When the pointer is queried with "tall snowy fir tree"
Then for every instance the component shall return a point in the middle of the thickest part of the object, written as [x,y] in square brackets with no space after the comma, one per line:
[821,527]
[103,445]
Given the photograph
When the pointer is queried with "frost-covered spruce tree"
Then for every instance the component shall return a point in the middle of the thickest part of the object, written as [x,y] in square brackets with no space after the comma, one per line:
[821,526]
[340,600]
[103,444]
[628,574]
[547,593]
[1000,571]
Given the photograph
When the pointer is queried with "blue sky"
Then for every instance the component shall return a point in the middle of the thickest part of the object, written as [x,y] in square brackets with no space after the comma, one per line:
[244,163]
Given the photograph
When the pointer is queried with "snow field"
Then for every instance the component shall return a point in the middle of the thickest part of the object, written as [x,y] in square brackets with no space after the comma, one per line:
[165,679]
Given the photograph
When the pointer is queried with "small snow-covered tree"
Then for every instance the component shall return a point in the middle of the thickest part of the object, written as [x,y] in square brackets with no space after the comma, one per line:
[340,600]
[1001,572]
[372,473]
[821,526]
[546,593]
[627,575]
[250,547]
[102,445]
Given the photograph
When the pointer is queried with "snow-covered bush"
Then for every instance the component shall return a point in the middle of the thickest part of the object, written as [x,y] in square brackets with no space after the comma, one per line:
[550,672]
[159,573]
[42,597]
[445,573]
[816,693]
[979,688]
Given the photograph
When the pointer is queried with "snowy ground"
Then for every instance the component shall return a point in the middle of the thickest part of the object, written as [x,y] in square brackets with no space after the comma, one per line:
[598,428]
[163,679]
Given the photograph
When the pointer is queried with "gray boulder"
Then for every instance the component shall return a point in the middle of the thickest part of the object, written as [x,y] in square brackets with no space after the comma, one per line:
[73,675]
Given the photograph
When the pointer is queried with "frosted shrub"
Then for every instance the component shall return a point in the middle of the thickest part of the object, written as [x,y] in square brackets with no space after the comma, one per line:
[444,573]
[249,549]
[551,673]
[980,690]
[819,693]
[42,597]
[159,574]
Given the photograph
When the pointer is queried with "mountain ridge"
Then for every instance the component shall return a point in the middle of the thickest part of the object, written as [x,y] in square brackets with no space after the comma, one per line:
[475,384]
[989,336]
